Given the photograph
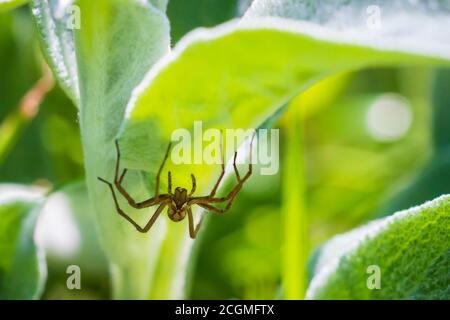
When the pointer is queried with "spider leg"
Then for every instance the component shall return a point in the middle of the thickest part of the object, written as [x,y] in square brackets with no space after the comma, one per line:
[204,202]
[193,231]
[160,170]
[249,172]
[123,214]
[154,217]
[213,191]
[194,185]
[236,171]
[212,208]
[169,182]
[233,193]
[241,181]
[158,197]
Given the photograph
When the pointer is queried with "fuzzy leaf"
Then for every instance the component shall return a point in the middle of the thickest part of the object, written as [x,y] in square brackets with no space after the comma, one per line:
[411,248]
[220,76]
[118,41]
[54,22]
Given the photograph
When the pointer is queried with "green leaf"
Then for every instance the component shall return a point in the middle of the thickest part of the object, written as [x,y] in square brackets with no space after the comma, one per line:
[220,76]
[53,21]
[11,4]
[410,248]
[22,265]
[118,41]
[236,75]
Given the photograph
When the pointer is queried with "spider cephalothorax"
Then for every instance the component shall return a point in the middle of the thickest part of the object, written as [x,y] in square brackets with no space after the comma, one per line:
[179,203]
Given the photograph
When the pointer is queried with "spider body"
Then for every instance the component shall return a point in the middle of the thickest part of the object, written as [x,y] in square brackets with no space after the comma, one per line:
[178,206]
[178,203]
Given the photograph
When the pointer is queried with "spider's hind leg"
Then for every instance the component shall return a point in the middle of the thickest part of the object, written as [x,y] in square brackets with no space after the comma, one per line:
[194,185]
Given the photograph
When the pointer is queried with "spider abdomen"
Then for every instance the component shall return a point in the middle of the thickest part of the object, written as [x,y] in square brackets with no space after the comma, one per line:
[175,214]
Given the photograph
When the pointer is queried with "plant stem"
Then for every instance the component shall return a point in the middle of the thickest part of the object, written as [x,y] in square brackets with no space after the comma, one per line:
[441,112]
[294,216]
[17,120]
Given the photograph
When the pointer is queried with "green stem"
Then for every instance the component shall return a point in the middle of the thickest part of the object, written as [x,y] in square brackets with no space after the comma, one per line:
[10,131]
[294,216]
[441,110]
[13,126]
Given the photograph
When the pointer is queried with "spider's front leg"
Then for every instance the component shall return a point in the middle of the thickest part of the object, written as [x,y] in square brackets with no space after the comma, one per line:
[158,199]
[205,202]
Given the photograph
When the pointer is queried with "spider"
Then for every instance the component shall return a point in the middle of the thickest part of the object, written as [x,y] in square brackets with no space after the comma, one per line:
[179,203]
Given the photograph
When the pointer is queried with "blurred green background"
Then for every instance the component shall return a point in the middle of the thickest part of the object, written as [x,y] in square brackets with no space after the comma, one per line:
[372,139]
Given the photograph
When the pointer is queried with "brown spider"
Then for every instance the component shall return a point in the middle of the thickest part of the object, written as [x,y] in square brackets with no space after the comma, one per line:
[180,202]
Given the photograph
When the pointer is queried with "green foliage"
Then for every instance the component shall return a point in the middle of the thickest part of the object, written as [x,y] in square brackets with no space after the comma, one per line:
[22,265]
[255,85]
[410,248]
[242,89]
